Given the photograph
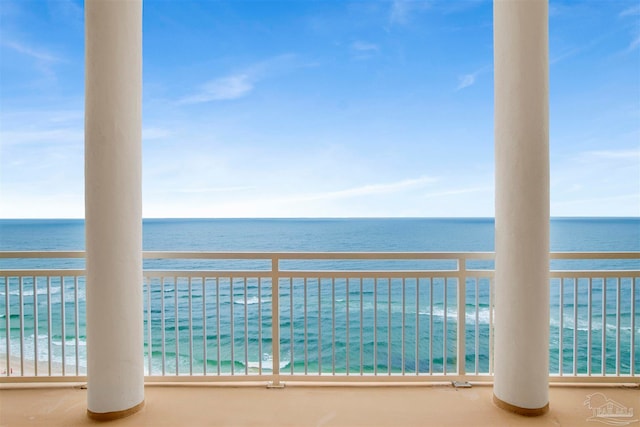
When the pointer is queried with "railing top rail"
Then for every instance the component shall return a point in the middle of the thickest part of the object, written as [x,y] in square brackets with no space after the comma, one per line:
[338,274]
[319,255]
[41,254]
[65,272]
[595,255]
[596,274]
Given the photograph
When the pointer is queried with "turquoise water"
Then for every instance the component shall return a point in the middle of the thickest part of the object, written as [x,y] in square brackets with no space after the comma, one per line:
[309,315]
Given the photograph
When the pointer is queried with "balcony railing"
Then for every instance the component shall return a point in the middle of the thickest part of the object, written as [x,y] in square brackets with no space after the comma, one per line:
[341,317]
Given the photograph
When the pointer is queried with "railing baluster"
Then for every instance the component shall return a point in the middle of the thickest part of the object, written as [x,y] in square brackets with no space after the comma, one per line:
[560,339]
[190,308]
[147,281]
[204,326]
[219,361]
[176,322]
[618,358]
[477,337]
[49,327]
[431,326]
[404,315]
[306,331]
[348,354]
[445,335]
[319,327]
[361,331]
[275,285]
[461,352]
[260,326]
[231,326]
[491,299]
[35,329]
[8,328]
[246,330]
[333,326]
[21,314]
[162,325]
[389,346]
[63,322]
[76,320]
[632,348]
[291,330]
[417,363]
[575,325]
[604,326]
[375,326]
[589,329]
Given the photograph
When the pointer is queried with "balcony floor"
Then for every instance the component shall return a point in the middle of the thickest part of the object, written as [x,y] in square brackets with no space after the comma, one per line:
[296,405]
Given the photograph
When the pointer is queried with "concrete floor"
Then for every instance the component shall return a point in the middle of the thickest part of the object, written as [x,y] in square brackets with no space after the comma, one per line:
[296,405]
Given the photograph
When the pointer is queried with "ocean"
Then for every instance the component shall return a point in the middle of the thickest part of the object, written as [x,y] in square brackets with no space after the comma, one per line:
[307,329]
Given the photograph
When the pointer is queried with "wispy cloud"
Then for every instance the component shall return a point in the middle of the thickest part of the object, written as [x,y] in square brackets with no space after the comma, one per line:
[399,12]
[44,136]
[44,127]
[631,11]
[154,133]
[595,201]
[223,88]
[466,80]
[568,52]
[364,50]
[240,84]
[43,60]
[370,189]
[597,183]
[69,12]
[611,155]
[210,190]
[634,44]
[451,7]
[32,52]
[361,46]
[458,191]
[402,10]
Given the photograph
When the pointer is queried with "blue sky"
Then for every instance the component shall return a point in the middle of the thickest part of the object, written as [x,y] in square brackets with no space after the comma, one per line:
[321,108]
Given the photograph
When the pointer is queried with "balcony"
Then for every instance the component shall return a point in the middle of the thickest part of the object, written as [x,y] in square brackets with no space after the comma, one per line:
[415,329]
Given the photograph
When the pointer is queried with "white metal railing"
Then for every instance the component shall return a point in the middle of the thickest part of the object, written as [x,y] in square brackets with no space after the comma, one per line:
[322,317]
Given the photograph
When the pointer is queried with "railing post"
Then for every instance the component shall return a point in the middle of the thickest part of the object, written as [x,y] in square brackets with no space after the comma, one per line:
[275,321]
[462,311]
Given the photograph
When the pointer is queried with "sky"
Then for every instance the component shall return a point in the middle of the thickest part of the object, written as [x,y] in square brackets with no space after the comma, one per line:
[307,108]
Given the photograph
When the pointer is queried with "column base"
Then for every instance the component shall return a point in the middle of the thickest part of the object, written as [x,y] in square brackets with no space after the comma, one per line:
[527,412]
[110,416]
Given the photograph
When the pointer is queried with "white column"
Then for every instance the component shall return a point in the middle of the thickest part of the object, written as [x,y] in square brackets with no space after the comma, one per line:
[521,355]
[113,207]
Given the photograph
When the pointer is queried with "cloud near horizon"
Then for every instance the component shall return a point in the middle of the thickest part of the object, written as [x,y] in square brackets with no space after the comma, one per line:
[370,189]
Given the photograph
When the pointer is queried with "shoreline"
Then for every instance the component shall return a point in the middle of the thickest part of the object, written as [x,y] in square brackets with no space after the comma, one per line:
[29,366]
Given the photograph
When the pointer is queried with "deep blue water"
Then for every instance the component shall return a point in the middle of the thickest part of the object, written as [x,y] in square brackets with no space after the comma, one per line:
[389,234]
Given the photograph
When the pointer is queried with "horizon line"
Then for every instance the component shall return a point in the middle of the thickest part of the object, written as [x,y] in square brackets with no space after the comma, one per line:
[324,218]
